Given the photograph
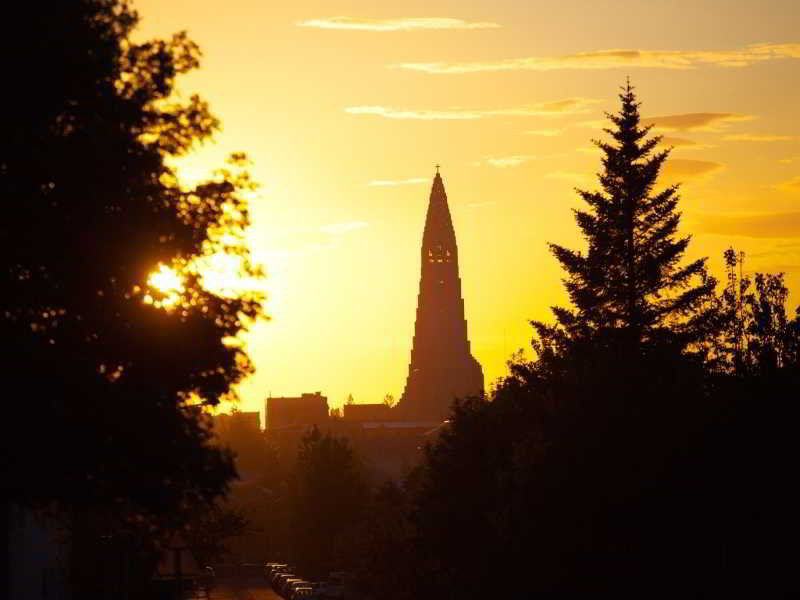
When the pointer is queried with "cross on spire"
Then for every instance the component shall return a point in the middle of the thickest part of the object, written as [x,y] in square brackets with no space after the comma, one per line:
[437,169]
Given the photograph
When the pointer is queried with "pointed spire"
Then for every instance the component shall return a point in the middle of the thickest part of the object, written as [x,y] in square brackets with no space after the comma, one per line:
[442,366]
[439,230]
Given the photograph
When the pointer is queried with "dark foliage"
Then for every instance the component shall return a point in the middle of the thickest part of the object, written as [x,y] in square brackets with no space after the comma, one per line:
[758,337]
[210,531]
[624,460]
[107,367]
[328,497]
[383,558]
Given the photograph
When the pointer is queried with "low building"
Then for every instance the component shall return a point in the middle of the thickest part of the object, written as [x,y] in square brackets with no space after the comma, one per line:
[388,445]
[301,411]
[224,423]
[365,413]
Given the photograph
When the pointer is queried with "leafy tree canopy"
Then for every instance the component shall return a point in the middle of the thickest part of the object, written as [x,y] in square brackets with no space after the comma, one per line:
[112,334]
[328,496]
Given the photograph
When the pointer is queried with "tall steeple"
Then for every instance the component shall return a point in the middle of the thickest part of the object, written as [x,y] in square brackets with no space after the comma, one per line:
[442,367]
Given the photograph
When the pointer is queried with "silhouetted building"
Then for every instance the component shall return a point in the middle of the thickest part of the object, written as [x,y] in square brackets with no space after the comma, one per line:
[442,367]
[224,422]
[302,411]
[367,412]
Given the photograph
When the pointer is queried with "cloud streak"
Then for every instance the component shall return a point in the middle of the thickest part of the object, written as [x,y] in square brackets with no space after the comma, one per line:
[568,106]
[544,132]
[679,142]
[695,121]
[502,162]
[620,58]
[408,24]
[685,168]
[792,185]
[389,182]
[756,137]
[766,225]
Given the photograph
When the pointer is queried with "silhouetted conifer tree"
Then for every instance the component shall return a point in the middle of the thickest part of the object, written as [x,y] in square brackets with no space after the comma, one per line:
[629,286]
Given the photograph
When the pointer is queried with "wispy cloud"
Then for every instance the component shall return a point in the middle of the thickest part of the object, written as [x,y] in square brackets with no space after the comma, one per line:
[342,228]
[765,225]
[407,24]
[502,162]
[544,132]
[387,182]
[695,121]
[620,58]
[792,185]
[782,249]
[756,137]
[676,169]
[568,106]
[679,142]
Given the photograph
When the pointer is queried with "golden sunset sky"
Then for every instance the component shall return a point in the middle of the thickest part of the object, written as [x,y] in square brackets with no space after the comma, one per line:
[346,106]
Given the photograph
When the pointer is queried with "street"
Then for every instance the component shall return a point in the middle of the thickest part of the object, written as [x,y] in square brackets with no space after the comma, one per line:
[239,589]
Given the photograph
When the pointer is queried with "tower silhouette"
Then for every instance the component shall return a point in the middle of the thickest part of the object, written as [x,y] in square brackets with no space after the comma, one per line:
[442,367]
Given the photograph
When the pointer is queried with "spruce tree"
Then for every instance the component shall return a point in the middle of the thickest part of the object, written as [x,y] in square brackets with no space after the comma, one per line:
[629,287]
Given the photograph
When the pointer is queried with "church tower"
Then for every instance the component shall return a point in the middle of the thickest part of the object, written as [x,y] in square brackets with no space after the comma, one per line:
[442,367]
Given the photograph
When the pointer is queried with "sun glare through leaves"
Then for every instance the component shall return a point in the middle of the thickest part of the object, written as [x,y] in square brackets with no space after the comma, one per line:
[168,284]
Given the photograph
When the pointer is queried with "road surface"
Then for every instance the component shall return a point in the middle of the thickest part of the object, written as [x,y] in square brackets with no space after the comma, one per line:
[239,589]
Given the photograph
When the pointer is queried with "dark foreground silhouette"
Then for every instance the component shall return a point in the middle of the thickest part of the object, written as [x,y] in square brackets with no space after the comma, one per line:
[105,440]
[646,452]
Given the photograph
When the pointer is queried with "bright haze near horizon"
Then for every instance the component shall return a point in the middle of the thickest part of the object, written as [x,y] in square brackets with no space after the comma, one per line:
[345,108]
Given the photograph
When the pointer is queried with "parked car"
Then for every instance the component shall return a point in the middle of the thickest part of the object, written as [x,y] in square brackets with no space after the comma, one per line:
[269,568]
[302,593]
[279,578]
[293,586]
[285,586]
[275,570]
[282,570]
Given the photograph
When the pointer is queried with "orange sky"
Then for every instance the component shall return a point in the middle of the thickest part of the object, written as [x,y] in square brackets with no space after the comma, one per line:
[345,108]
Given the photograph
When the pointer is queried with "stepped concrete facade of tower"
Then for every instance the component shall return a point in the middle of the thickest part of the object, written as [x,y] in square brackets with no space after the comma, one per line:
[442,367]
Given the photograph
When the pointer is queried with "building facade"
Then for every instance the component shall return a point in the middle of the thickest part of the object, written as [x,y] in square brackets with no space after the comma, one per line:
[224,423]
[299,411]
